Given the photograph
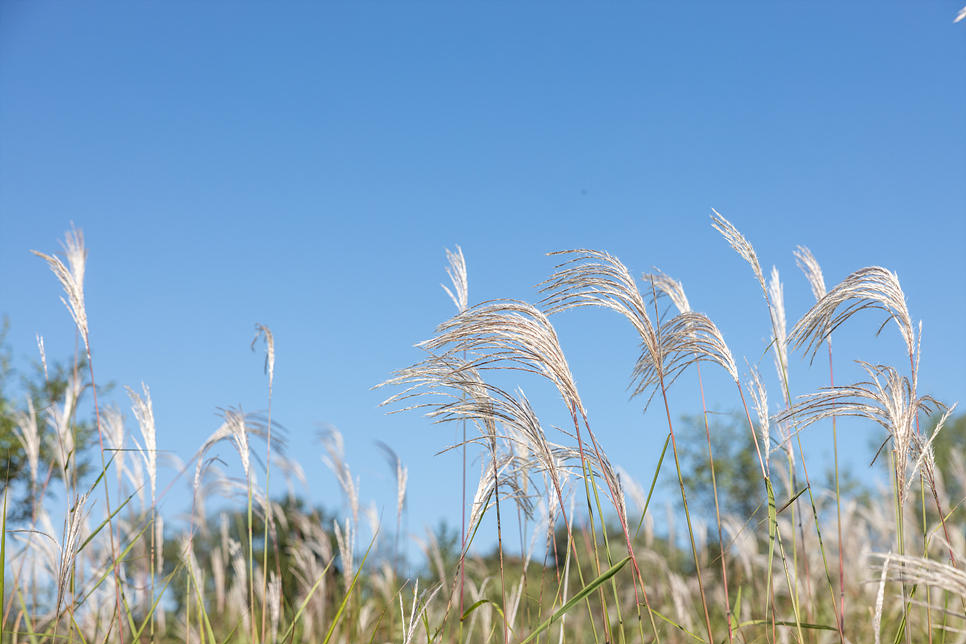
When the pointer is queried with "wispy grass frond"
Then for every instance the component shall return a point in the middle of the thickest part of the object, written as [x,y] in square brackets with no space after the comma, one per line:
[912,569]
[274,602]
[457,274]
[867,288]
[887,399]
[779,335]
[595,278]
[59,418]
[420,603]
[670,287]
[759,396]
[508,331]
[741,245]
[68,551]
[71,276]
[112,427]
[813,272]
[879,601]
[926,456]
[345,538]
[143,410]
[334,447]
[685,339]
[263,331]
[238,432]
[28,433]
[400,472]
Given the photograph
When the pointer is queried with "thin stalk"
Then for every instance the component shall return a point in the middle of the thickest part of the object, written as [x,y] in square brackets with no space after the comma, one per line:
[687,514]
[624,527]
[588,485]
[838,505]
[251,564]
[107,498]
[925,550]
[268,510]
[499,542]
[717,511]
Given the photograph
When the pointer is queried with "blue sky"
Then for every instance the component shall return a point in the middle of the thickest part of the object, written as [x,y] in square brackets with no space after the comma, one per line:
[305,166]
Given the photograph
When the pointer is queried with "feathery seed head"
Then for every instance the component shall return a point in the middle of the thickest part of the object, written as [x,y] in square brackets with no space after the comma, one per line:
[457,274]
[71,276]
[779,328]
[29,436]
[670,287]
[144,413]
[867,288]
[813,272]
[68,553]
[260,331]
[740,244]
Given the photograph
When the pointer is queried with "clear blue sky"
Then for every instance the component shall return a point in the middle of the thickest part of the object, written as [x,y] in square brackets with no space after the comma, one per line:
[304,166]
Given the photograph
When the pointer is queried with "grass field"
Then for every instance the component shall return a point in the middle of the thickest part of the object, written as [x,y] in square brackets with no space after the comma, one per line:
[591,561]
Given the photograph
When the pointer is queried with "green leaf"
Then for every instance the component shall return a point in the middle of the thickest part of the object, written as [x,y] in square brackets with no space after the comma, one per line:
[345,600]
[765,622]
[298,613]
[792,500]
[579,597]
[677,626]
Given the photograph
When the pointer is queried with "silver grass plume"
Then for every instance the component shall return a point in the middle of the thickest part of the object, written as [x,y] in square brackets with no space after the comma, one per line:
[400,472]
[71,276]
[29,436]
[779,331]
[669,287]
[926,460]
[741,245]
[416,614]
[112,426]
[159,538]
[68,552]
[332,440]
[59,419]
[813,272]
[708,334]
[236,427]
[274,602]
[879,597]
[135,474]
[595,278]
[686,339]
[487,406]
[239,436]
[264,331]
[508,331]
[43,355]
[345,539]
[924,571]
[759,396]
[888,399]
[457,274]
[238,593]
[144,413]
[867,288]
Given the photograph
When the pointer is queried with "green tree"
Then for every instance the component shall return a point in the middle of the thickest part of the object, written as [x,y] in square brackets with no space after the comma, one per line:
[741,491]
